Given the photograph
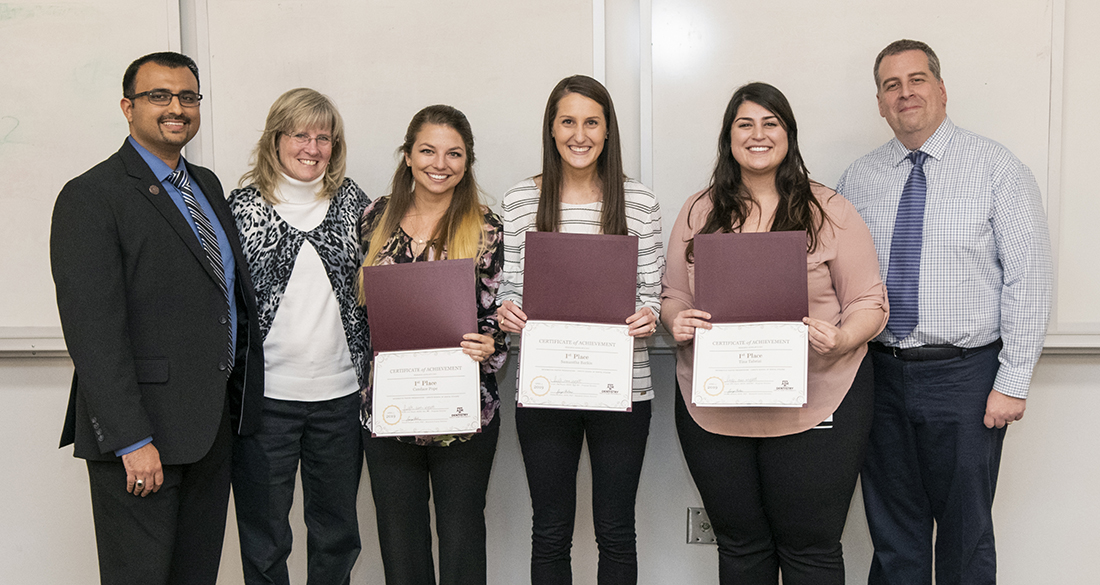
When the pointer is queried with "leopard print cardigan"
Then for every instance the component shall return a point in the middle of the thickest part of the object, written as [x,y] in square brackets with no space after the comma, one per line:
[271,246]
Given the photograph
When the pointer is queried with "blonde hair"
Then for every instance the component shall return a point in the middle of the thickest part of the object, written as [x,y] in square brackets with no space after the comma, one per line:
[292,112]
[459,232]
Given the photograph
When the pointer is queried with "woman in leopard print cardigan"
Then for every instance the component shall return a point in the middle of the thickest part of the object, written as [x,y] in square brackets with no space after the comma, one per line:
[298,220]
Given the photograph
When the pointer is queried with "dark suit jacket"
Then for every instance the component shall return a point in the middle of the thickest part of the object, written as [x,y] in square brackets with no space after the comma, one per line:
[144,319]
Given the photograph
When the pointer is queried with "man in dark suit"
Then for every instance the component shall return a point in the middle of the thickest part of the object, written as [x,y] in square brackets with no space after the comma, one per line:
[160,321]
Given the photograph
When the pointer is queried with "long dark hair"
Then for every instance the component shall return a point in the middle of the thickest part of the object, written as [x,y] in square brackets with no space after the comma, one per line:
[798,209]
[609,166]
[459,230]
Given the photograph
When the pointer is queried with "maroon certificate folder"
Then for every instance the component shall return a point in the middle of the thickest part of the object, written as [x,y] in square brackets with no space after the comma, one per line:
[586,278]
[745,278]
[420,305]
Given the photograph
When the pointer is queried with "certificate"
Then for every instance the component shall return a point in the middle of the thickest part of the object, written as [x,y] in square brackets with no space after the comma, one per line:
[585,366]
[750,364]
[425,392]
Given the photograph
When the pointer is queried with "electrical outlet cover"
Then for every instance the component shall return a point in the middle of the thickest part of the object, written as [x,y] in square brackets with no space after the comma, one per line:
[699,530]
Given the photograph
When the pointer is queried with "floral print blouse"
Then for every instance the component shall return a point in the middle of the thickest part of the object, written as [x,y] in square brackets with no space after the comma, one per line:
[399,250]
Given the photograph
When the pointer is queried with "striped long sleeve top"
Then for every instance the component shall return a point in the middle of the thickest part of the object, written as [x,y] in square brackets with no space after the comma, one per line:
[643,218]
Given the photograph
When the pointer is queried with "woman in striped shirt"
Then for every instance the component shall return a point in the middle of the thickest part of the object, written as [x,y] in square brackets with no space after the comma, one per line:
[582,189]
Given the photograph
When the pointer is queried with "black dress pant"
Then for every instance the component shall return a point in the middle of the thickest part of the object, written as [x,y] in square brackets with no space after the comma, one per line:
[173,536]
[551,440]
[780,503]
[323,437]
[403,476]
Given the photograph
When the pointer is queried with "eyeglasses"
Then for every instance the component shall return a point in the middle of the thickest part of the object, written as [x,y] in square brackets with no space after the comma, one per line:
[159,97]
[302,139]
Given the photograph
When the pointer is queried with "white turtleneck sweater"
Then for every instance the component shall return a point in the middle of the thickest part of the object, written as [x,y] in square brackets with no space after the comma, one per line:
[306,351]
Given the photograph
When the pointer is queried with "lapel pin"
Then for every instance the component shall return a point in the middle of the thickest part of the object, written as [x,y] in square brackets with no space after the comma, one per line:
[154,189]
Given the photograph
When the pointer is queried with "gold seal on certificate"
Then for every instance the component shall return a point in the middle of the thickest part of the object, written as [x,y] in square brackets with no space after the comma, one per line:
[426,392]
[540,386]
[587,366]
[750,364]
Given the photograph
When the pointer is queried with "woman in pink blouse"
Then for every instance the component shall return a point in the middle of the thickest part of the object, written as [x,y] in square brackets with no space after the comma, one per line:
[777,482]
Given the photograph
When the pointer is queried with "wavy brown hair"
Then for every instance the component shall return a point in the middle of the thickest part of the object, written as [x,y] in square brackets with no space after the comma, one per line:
[459,231]
[798,209]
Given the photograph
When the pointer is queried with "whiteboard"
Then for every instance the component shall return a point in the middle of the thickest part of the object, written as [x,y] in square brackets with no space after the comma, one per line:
[59,115]
[382,61]
[1001,64]
[1076,213]
[822,58]
[1021,74]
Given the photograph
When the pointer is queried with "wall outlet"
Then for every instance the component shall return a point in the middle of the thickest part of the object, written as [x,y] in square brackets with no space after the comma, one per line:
[699,530]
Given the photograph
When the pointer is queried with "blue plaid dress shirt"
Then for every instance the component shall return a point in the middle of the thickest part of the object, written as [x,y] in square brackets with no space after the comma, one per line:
[986,269]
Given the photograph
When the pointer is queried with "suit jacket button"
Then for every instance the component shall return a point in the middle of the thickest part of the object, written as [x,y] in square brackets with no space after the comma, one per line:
[99,438]
[223,366]
[223,319]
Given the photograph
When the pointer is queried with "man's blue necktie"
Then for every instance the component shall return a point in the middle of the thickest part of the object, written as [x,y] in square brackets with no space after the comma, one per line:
[903,275]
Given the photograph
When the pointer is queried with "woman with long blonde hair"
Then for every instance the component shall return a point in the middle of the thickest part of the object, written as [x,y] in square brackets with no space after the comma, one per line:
[434,212]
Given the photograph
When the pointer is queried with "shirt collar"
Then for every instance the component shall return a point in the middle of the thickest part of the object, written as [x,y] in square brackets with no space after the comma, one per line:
[160,170]
[935,146]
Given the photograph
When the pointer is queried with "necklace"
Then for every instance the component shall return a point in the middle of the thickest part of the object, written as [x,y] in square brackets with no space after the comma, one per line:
[418,231]
[418,236]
